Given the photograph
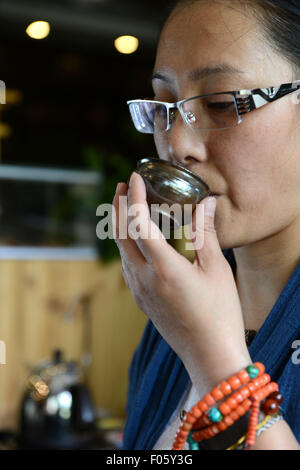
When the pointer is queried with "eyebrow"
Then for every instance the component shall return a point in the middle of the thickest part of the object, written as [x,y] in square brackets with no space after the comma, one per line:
[200,72]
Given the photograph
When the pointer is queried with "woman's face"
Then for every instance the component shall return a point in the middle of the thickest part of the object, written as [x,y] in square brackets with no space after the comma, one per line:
[254,166]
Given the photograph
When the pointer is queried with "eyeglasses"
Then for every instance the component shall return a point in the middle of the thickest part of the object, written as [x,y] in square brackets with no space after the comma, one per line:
[208,112]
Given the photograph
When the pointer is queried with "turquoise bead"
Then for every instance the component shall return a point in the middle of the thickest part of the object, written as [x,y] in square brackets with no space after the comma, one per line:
[252,371]
[193,444]
[215,415]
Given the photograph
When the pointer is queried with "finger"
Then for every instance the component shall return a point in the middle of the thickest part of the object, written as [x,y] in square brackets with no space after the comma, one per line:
[205,239]
[149,237]
[126,245]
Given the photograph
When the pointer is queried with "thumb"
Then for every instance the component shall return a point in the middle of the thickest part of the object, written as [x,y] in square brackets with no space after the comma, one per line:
[206,243]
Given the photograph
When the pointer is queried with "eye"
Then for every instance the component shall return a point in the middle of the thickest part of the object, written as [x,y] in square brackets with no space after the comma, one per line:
[164,99]
[162,94]
[220,106]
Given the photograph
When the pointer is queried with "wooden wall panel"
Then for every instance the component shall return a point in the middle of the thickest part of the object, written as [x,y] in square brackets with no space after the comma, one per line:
[35,296]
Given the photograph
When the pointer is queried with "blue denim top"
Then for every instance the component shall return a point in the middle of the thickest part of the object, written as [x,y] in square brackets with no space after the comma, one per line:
[158,378]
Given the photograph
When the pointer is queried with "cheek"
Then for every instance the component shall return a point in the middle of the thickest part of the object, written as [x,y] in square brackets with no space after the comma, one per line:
[262,169]
[260,165]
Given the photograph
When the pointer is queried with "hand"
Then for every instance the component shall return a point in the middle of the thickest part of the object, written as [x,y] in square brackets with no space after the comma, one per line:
[195,306]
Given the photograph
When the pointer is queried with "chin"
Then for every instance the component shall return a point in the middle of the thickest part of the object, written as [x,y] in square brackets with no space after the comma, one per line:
[227,240]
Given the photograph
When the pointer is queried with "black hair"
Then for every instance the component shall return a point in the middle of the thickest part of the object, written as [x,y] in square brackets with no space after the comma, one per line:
[280,21]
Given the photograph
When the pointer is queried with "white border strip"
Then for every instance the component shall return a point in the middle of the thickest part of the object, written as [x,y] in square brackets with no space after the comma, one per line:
[48,253]
[49,175]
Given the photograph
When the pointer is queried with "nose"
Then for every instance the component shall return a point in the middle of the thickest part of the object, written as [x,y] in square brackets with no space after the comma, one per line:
[185,145]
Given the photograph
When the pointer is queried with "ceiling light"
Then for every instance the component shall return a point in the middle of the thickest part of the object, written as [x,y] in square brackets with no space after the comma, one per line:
[126,44]
[38,29]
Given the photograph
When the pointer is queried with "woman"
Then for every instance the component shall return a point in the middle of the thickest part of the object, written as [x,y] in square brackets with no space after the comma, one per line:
[247,273]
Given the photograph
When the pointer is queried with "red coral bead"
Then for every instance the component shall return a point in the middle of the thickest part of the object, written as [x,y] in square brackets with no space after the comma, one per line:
[277,396]
[234,382]
[225,387]
[208,399]
[202,406]
[217,393]
[221,426]
[224,409]
[245,392]
[270,406]
[243,376]
[232,402]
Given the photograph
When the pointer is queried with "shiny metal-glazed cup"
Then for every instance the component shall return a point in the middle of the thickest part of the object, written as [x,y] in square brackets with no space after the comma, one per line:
[168,184]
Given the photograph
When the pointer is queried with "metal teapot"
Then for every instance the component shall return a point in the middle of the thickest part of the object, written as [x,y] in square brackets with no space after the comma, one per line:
[57,411]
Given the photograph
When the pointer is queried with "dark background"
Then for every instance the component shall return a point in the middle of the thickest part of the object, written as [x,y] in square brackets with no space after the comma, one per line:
[74,84]
[66,108]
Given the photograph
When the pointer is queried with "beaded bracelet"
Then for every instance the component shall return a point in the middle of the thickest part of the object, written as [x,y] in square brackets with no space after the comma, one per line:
[266,422]
[246,390]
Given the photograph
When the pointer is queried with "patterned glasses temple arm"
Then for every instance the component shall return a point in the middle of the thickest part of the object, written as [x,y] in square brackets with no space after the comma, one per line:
[248,100]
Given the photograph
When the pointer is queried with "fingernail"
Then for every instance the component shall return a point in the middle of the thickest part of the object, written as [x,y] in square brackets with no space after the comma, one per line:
[210,206]
[132,178]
